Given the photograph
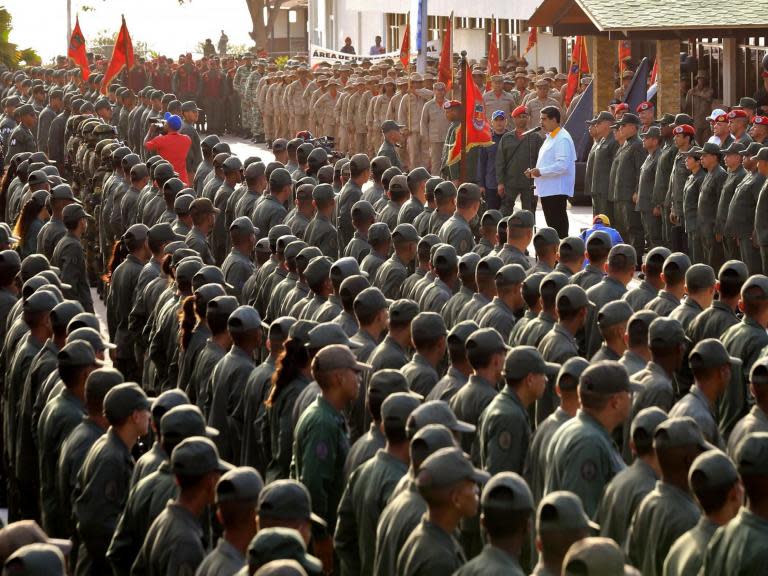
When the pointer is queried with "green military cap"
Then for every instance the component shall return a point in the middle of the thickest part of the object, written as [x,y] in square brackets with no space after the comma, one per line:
[605,116]
[73,213]
[287,500]
[523,360]
[10,261]
[752,455]
[607,377]
[40,301]
[379,164]
[562,510]
[262,246]
[243,484]
[735,268]
[417,175]
[405,233]
[37,177]
[573,367]
[188,269]
[386,382]
[545,237]
[491,218]
[489,265]
[509,275]
[641,321]
[681,119]
[243,224]
[436,412]
[62,192]
[379,232]
[336,357]
[221,307]
[62,313]
[390,125]
[658,254]
[558,280]
[430,438]
[323,193]
[485,342]
[25,110]
[399,183]
[31,285]
[326,334]
[751,150]
[652,132]
[317,158]
[462,331]
[679,431]
[370,301]
[280,328]
[123,400]
[208,292]
[178,246]
[101,381]
[168,400]
[426,325]
[304,192]
[755,288]
[710,353]
[280,543]
[571,245]
[162,233]
[398,406]
[506,492]
[629,118]
[362,210]
[284,241]
[203,206]
[426,243]
[676,262]
[279,179]
[734,148]
[243,320]
[711,148]
[83,320]
[532,284]
[694,152]
[521,219]
[351,286]
[469,191]
[445,190]
[623,250]
[599,237]
[184,421]
[596,556]
[432,183]
[36,560]
[444,257]
[747,102]
[53,278]
[699,276]
[665,333]
[277,567]
[644,425]
[758,374]
[197,456]
[344,268]
[666,120]
[570,298]
[446,468]
[763,153]
[614,313]
[403,311]
[318,269]
[305,256]
[135,236]
[711,470]
[77,354]
[468,264]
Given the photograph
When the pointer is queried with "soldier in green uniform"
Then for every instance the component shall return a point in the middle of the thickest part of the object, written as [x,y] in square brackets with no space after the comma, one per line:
[603,160]
[453,111]
[321,443]
[352,192]
[204,216]
[673,275]
[417,182]
[507,506]
[649,287]
[320,231]
[721,314]
[650,214]
[612,320]
[370,486]
[519,235]
[270,211]
[174,542]
[500,312]
[715,483]
[596,555]
[628,161]
[456,230]
[503,430]
[598,246]
[69,255]
[428,335]
[739,543]
[740,221]
[560,522]
[582,457]
[238,266]
[22,138]
[393,272]
[392,134]
[669,510]
[102,484]
[237,494]
[448,482]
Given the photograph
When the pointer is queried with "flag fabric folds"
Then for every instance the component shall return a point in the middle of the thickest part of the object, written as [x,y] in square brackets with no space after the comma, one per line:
[76,50]
[405,47]
[122,56]
[445,66]
[579,66]
[533,37]
[474,122]
[493,52]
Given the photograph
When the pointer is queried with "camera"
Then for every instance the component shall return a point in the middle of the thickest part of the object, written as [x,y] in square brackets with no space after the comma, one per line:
[327,143]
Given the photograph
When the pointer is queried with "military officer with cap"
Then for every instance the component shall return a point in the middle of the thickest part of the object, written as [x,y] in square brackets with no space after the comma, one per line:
[456,230]
[605,150]
[22,139]
[238,265]
[628,160]
[8,123]
[204,216]
[320,231]
[69,255]
[352,192]
[393,272]
[391,131]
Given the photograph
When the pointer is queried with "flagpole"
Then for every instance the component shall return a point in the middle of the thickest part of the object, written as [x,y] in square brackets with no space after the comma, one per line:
[464,80]
[453,76]
[69,21]
[408,71]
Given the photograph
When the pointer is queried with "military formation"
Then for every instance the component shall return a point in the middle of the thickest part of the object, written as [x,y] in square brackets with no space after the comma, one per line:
[355,366]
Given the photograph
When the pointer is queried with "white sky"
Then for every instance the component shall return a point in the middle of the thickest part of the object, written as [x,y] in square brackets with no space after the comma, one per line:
[164,25]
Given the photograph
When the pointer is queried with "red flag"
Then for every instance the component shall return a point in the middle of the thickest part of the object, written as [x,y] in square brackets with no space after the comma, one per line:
[533,37]
[493,52]
[579,67]
[405,47]
[445,66]
[477,126]
[122,55]
[76,50]
[654,71]
[625,51]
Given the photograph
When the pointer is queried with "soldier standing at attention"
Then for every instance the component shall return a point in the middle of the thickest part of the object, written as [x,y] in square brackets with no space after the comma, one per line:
[434,126]
[391,131]
[69,255]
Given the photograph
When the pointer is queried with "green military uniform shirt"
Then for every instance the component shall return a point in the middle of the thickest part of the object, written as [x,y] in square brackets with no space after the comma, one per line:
[390,277]
[504,434]
[388,149]
[320,447]
[622,497]
[755,421]
[712,322]
[687,553]
[457,232]
[420,374]
[492,561]
[468,404]
[69,257]
[397,521]
[536,464]
[738,548]
[321,233]
[224,560]
[429,550]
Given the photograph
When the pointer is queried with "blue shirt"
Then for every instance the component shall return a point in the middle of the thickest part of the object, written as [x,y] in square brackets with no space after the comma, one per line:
[612,232]
[486,165]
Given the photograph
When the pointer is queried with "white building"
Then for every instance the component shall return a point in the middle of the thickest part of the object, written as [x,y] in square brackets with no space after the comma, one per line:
[330,21]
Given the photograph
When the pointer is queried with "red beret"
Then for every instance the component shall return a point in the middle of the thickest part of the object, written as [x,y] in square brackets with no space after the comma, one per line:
[643,106]
[762,120]
[622,106]
[448,104]
[739,113]
[722,118]
[519,111]
[764,73]
[684,129]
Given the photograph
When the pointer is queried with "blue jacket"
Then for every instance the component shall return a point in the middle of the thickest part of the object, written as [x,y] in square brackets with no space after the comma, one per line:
[486,165]
[612,232]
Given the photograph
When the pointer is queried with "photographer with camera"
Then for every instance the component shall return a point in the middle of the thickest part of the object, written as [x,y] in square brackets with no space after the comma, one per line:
[164,139]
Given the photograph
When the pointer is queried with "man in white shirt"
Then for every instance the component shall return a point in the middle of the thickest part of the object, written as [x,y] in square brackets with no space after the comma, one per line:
[555,172]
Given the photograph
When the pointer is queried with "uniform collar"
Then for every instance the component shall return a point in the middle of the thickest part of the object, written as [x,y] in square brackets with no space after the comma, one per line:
[555,132]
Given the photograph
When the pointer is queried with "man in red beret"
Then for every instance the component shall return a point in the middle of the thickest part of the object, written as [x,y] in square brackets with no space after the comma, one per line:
[759,132]
[738,122]
[517,151]
[646,111]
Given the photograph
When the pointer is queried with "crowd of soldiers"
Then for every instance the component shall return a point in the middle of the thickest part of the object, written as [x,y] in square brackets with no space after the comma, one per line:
[359,367]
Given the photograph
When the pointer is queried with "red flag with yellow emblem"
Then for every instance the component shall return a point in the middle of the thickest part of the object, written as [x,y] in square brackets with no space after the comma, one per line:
[475,122]
[76,50]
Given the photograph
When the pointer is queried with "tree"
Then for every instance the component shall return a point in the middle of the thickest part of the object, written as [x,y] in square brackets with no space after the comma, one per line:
[10,55]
